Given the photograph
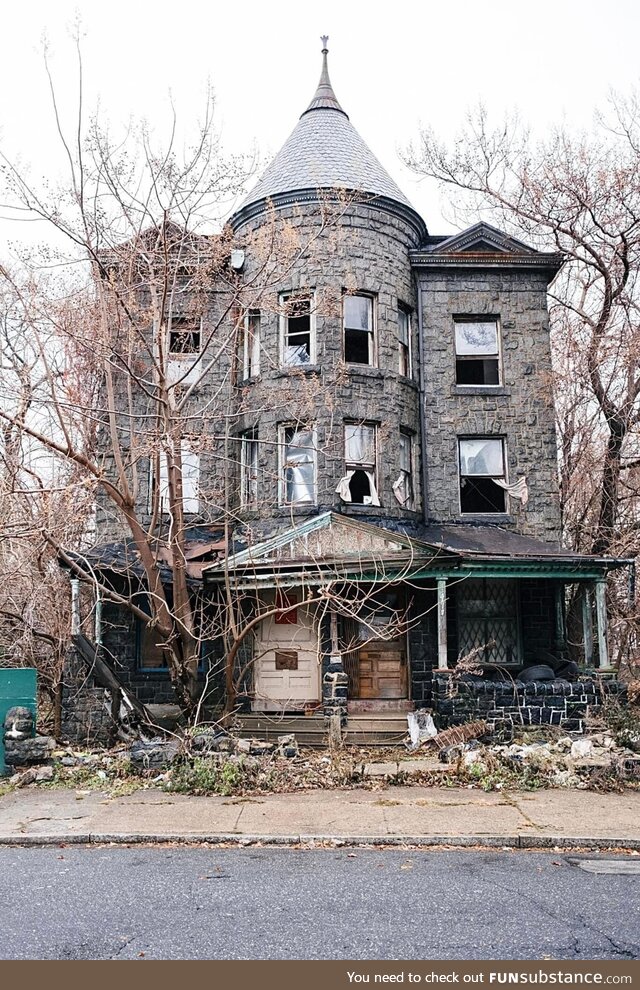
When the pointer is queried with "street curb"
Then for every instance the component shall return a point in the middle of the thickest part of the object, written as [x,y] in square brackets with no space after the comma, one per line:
[238,839]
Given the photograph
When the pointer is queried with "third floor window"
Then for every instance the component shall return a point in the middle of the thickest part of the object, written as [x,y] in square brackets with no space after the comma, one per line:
[477,351]
[358,323]
[297,323]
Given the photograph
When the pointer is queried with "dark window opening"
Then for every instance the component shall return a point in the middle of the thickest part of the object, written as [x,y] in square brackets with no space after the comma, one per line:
[482,372]
[360,487]
[481,495]
[356,347]
[358,329]
[184,335]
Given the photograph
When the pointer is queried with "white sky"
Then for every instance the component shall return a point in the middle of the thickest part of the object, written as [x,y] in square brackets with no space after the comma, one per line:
[393,66]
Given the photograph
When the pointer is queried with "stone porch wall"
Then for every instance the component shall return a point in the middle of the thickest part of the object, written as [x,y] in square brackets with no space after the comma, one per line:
[506,705]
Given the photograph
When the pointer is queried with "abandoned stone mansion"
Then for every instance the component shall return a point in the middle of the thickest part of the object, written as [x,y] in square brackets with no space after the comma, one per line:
[385,485]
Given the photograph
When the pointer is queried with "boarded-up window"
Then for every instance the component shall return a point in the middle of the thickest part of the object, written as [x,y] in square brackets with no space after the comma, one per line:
[286,660]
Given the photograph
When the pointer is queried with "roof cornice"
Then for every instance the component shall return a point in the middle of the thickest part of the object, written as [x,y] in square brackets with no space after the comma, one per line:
[549,262]
[297,197]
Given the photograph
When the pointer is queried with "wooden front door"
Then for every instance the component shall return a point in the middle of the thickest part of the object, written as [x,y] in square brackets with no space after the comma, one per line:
[287,671]
[382,670]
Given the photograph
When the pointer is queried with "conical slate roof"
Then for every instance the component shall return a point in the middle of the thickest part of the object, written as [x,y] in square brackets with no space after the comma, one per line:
[325,151]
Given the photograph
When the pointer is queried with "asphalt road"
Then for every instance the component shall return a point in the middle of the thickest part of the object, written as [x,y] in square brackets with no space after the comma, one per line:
[259,903]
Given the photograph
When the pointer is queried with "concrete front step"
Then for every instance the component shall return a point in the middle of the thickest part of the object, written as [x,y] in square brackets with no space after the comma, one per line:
[374,729]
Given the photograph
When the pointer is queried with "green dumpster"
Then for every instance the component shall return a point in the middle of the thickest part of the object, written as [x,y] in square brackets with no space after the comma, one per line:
[18,687]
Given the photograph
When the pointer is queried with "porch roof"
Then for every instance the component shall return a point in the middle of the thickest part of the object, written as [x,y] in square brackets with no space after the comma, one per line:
[487,550]
[331,546]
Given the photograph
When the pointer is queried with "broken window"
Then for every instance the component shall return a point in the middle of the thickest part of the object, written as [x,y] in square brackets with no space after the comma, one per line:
[358,485]
[358,329]
[184,335]
[404,341]
[250,356]
[477,352]
[190,480]
[488,623]
[298,466]
[482,475]
[403,486]
[298,330]
[249,469]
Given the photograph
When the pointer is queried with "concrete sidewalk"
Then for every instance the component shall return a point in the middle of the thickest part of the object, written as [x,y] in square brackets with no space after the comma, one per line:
[397,815]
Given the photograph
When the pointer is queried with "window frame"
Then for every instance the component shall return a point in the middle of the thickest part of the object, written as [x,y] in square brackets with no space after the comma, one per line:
[406,476]
[184,355]
[283,299]
[161,483]
[372,333]
[249,486]
[365,466]
[469,615]
[404,349]
[251,343]
[462,319]
[283,444]
[502,477]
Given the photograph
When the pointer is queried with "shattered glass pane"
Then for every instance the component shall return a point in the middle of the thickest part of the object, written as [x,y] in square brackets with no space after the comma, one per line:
[483,457]
[476,338]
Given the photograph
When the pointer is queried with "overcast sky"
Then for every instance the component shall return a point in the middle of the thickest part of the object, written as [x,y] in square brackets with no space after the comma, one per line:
[394,66]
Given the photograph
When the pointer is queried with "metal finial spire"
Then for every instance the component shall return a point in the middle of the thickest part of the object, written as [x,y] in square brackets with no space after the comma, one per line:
[325,98]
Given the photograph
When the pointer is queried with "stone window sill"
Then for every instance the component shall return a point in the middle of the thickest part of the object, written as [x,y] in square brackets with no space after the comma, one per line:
[486,517]
[481,390]
[297,369]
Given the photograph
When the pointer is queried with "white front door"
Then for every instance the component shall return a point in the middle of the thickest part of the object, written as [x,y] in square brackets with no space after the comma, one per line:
[287,666]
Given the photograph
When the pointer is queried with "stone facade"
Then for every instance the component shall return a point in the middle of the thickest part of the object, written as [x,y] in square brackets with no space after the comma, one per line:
[520,409]
[352,248]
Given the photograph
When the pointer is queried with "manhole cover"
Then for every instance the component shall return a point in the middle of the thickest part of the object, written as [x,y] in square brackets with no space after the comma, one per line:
[623,867]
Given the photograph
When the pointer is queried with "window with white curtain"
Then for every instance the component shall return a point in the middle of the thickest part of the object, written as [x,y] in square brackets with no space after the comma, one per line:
[298,465]
[358,484]
[357,314]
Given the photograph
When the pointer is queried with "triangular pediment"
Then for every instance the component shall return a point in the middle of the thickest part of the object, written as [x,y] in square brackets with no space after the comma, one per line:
[482,238]
[325,538]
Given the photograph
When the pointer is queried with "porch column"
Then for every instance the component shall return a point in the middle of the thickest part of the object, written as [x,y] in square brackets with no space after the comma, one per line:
[601,616]
[442,624]
[98,621]
[75,606]
[587,626]
[561,635]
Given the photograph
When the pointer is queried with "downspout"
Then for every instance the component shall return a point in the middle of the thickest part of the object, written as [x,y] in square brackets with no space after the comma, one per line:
[423,413]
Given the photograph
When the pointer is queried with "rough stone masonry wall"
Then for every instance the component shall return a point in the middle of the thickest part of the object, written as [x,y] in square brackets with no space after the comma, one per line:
[509,705]
[521,409]
[364,250]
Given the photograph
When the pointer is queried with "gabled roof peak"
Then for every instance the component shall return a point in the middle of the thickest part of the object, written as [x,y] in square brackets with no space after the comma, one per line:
[324,98]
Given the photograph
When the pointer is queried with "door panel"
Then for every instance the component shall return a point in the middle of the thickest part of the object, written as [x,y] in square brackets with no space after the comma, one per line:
[382,670]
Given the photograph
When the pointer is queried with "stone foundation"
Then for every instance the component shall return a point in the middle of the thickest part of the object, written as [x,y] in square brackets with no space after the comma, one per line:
[509,705]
